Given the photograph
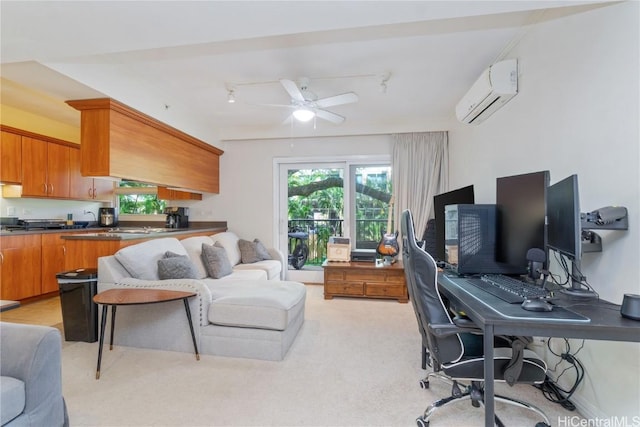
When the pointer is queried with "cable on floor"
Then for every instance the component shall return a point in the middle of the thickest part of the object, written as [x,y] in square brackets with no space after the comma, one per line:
[551,390]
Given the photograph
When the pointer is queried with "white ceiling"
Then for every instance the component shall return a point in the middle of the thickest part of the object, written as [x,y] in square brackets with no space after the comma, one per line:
[175,60]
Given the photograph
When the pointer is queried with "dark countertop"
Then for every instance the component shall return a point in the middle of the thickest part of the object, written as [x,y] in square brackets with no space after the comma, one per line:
[133,236]
[103,233]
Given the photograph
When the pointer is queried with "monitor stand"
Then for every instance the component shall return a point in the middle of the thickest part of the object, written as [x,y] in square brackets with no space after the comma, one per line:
[577,289]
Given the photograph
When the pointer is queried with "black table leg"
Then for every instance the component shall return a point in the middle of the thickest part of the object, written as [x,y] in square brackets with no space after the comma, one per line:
[193,335]
[113,325]
[103,323]
[489,375]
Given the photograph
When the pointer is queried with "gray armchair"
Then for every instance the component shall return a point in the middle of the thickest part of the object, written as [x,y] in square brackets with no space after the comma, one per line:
[31,376]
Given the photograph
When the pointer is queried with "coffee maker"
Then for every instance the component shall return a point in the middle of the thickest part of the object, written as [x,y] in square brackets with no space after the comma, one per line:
[177,217]
[107,217]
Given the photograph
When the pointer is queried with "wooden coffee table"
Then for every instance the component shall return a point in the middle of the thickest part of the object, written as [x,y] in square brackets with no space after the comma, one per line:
[116,297]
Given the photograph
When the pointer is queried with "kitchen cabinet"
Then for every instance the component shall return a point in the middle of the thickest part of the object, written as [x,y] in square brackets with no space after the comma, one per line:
[45,167]
[165,193]
[86,188]
[52,261]
[20,273]
[10,158]
[120,142]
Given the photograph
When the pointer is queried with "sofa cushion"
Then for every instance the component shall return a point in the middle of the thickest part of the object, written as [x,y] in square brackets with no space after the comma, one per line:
[174,266]
[266,304]
[141,260]
[193,246]
[229,242]
[216,261]
[12,397]
[251,252]
[270,266]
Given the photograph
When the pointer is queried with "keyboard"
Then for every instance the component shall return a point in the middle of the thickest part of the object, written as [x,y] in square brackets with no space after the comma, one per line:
[507,288]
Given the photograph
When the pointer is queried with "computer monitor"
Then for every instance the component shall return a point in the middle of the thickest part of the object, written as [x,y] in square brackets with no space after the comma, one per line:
[460,196]
[564,232]
[521,202]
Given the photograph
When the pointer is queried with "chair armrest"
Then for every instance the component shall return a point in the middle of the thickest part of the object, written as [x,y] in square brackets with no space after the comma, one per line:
[446,329]
[33,354]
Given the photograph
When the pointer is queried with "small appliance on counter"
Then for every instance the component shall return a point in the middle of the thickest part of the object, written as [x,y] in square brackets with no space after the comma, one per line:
[177,217]
[107,217]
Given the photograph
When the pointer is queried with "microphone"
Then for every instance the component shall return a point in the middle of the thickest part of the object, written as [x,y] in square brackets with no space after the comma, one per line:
[536,258]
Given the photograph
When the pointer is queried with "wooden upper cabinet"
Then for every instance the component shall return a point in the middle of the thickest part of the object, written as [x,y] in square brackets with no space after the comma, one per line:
[87,188]
[34,166]
[10,158]
[58,158]
[45,168]
[165,193]
[80,187]
[123,143]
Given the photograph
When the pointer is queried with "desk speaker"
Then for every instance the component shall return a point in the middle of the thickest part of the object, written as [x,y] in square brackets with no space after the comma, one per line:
[630,306]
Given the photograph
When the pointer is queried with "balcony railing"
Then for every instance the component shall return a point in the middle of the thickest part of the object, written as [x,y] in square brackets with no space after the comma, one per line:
[368,234]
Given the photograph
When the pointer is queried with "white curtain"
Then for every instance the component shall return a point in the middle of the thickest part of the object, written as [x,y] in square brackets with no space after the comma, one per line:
[420,168]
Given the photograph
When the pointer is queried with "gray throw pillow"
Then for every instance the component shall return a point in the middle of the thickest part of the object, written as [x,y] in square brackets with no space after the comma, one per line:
[216,261]
[251,252]
[176,266]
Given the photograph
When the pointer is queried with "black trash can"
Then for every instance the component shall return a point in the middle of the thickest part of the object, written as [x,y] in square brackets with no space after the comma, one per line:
[79,312]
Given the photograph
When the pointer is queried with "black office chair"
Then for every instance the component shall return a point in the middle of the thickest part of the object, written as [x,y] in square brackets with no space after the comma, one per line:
[453,344]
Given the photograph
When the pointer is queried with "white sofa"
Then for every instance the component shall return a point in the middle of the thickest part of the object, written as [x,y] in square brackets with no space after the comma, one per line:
[250,313]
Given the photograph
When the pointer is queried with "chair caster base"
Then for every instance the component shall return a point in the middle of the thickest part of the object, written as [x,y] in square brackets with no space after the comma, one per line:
[424,384]
[421,422]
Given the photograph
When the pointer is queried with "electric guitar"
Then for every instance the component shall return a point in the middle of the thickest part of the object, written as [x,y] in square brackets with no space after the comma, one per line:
[388,245]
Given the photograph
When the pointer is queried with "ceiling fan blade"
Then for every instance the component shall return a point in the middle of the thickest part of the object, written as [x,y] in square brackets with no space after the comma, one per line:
[345,98]
[292,90]
[328,115]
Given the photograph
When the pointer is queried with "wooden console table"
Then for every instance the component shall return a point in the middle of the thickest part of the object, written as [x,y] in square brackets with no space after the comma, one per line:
[364,280]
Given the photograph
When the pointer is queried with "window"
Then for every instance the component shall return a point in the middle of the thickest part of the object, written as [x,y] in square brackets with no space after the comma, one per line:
[138,198]
[323,199]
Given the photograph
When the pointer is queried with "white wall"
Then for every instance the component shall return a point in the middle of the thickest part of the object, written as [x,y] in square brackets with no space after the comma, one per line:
[577,112]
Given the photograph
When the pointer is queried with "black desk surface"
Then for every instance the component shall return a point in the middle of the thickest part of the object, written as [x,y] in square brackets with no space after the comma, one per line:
[605,321]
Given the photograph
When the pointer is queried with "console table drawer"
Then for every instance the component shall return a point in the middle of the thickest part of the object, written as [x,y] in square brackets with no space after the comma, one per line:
[344,288]
[384,290]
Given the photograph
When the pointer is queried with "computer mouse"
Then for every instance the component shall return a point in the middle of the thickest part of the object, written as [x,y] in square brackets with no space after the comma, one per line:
[536,305]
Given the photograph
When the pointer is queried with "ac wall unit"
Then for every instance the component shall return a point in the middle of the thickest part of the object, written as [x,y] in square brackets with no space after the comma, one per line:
[494,88]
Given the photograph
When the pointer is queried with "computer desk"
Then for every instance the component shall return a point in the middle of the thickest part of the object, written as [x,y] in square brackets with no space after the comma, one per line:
[484,310]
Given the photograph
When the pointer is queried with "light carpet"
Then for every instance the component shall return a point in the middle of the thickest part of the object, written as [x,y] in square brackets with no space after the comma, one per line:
[355,362]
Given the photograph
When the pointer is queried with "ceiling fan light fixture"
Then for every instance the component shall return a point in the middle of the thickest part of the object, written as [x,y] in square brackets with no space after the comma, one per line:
[231,97]
[303,114]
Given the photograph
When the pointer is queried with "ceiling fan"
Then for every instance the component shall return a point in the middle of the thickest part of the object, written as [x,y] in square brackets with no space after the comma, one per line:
[306,104]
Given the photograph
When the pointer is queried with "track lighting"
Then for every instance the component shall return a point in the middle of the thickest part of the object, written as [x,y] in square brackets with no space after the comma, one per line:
[231,98]
[303,114]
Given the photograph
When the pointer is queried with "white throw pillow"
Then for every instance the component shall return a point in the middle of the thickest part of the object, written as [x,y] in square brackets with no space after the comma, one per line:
[141,260]
[229,242]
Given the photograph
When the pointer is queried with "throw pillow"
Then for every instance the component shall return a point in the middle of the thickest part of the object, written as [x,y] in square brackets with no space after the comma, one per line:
[251,252]
[261,249]
[176,266]
[216,261]
[141,260]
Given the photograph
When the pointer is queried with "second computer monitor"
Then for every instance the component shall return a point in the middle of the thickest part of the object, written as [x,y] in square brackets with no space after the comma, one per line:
[521,203]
